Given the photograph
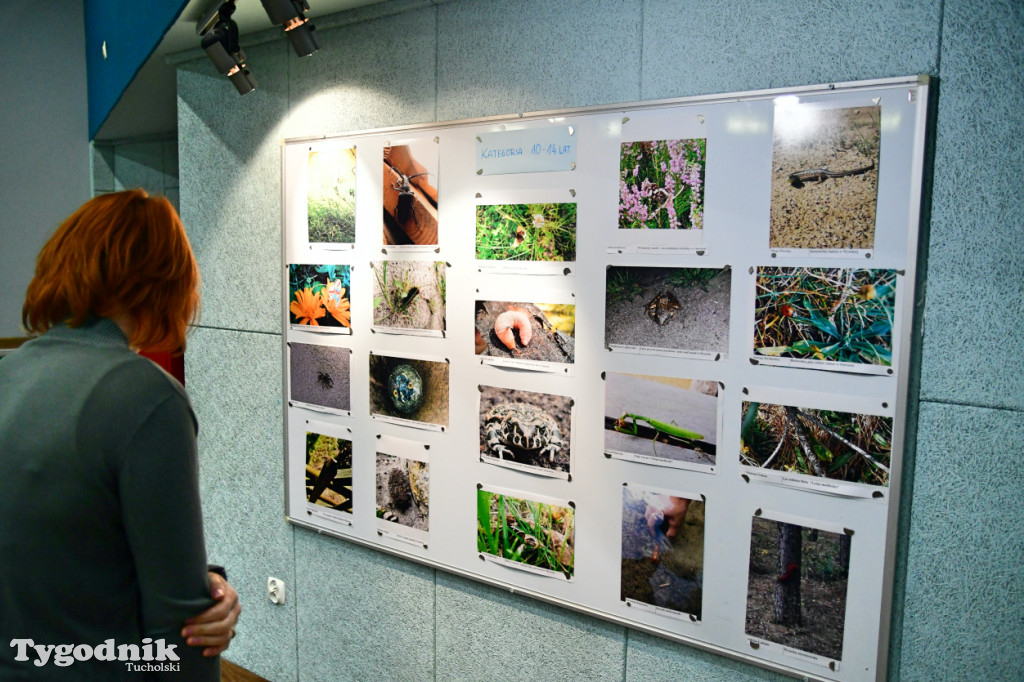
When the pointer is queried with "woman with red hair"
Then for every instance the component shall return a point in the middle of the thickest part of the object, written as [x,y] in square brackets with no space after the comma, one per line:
[102,535]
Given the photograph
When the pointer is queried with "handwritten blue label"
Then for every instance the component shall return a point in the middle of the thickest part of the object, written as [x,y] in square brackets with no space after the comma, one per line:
[532,150]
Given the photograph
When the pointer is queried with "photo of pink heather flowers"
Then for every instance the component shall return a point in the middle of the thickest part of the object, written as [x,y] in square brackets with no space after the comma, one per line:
[661,185]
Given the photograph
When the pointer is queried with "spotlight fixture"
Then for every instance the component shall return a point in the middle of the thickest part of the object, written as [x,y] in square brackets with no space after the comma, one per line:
[221,45]
[291,15]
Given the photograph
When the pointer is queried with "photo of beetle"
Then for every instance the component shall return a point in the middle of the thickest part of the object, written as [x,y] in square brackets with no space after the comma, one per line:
[410,193]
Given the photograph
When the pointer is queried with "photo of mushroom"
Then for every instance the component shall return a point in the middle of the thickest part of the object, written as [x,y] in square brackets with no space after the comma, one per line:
[838,315]
[403,491]
[525,427]
[824,176]
[409,294]
[410,193]
[841,446]
[661,184]
[526,232]
[320,296]
[796,590]
[680,309]
[661,419]
[526,331]
[662,550]
[319,375]
[329,471]
[527,532]
[414,390]
[331,196]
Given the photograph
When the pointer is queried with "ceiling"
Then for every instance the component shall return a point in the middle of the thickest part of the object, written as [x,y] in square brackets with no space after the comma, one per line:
[148,106]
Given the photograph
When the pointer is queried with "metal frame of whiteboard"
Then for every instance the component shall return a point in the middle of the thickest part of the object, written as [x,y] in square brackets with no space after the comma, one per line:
[743,161]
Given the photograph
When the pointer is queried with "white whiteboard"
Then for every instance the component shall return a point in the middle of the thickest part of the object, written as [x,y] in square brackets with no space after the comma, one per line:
[739,134]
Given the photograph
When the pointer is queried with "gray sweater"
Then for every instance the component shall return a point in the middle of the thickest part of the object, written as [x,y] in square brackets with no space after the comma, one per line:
[101,532]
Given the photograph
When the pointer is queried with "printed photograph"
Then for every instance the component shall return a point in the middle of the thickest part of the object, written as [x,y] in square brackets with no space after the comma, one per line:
[833,314]
[409,389]
[410,194]
[661,184]
[670,308]
[839,445]
[664,418]
[319,375]
[329,471]
[824,177]
[526,427]
[662,550]
[331,196]
[796,594]
[409,294]
[403,491]
[524,531]
[526,232]
[526,331]
[320,296]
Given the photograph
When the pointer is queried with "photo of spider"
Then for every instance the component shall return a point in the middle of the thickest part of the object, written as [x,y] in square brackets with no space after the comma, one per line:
[325,380]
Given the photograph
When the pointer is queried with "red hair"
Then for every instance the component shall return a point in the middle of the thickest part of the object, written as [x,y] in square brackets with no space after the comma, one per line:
[123,253]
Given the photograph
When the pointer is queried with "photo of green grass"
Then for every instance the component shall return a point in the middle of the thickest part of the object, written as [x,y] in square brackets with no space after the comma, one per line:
[526,232]
[524,531]
[331,196]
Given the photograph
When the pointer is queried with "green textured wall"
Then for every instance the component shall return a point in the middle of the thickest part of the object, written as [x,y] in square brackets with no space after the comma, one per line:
[358,614]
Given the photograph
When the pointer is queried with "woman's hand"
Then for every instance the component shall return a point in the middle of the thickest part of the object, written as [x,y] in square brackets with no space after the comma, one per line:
[215,627]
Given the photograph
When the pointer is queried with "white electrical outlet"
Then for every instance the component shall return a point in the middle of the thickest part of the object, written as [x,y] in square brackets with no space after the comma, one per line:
[275,590]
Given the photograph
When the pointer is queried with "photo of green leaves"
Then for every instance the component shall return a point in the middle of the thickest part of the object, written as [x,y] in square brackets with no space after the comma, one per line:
[329,471]
[526,232]
[331,196]
[661,184]
[833,314]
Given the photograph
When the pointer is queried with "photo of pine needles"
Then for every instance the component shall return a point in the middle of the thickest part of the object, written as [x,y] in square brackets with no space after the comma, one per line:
[526,232]
[838,445]
[331,196]
[524,531]
[834,314]
[661,184]
[329,471]
[320,295]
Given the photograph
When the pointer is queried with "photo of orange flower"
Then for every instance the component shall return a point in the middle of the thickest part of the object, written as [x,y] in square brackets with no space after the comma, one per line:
[307,307]
[317,290]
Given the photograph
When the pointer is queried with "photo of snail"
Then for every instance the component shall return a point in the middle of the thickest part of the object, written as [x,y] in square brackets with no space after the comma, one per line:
[662,550]
[797,586]
[409,294]
[403,491]
[329,471]
[824,176]
[657,419]
[526,331]
[319,375]
[676,309]
[526,532]
[837,315]
[841,446]
[331,196]
[528,428]
[410,193]
[526,232]
[414,390]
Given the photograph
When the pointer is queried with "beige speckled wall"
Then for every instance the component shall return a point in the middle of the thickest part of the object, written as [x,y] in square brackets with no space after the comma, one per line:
[357,614]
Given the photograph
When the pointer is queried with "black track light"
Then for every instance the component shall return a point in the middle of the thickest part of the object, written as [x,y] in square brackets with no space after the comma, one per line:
[291,14]
[221,45]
